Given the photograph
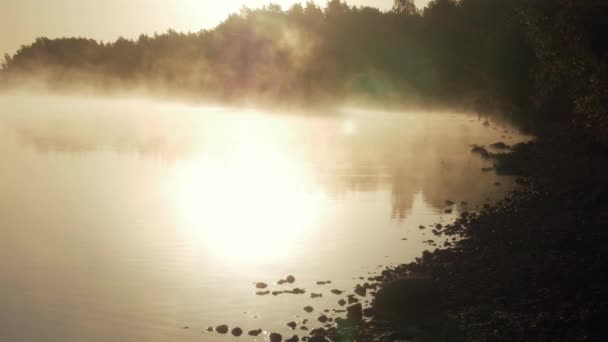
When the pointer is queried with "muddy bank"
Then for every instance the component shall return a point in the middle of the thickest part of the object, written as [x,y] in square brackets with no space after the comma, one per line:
[528,268]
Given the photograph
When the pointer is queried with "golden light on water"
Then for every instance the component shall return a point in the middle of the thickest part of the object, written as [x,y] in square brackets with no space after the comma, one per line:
[253,204]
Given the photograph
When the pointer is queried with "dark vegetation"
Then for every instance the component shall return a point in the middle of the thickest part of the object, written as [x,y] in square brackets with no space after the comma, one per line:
[533,59]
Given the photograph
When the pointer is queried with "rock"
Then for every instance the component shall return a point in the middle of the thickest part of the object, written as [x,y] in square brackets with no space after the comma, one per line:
[296,291]
[293,338]
[186,327]
[352,299]
[292,325]
[262,293]
[336,291]
[323,282]
[464,203]
[354,312]
[342,302]
[237,331]
[209,328]
[448,202]
[421,227]
[276,293]
[290,279]
[303,327]
[481,151]
[316,295]
[255,332]
[275,337]
[360,290]
[308,309]
[222,329]
[448,211]
[322,319]
[261,285]
[403,239]
[368,312]
[438,226]
[500,146]
[281,281]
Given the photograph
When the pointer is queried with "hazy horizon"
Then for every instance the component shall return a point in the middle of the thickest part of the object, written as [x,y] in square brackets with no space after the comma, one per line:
[21,22]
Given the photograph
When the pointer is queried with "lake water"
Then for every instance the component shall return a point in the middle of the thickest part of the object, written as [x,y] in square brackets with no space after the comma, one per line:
[129,220]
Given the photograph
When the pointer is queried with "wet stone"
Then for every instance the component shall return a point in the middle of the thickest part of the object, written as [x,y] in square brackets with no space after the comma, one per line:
[448,211]
[237,331]
[292,325]
[261,285]
[354,312]
[316,295]
[293,338]
[342,302]
[209,328]
[322,319]
[421,227]
[275,337]
[262,293]
[255,332]
[308,309]
[222,329]
[290,279]
[352,299]
[338,292]
[360,290]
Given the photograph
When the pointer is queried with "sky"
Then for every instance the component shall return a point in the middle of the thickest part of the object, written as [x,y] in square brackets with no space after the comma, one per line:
[22,21]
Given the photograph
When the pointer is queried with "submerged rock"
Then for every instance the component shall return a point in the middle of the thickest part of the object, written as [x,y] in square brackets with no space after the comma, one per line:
[322,319]
[323,282]
[290,279]
[352,299]
[262,293]
[292,325]
[336,291]
[209,328]
[448,211]
[222,329]
[342,302]
[316,295]
[360,290]
[261,285]
[308,309]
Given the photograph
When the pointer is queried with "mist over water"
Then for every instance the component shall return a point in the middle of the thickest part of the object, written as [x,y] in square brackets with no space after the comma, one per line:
[128,219]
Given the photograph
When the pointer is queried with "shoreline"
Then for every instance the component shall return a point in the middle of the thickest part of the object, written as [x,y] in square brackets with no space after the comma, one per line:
[527,268]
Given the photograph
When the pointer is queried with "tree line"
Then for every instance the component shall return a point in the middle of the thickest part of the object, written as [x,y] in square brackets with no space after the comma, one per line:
[534,59]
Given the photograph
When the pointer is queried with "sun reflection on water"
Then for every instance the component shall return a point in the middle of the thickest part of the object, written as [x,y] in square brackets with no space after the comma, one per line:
[252,204]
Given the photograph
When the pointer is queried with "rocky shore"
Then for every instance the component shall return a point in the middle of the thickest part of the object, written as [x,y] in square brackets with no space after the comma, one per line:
[528,268]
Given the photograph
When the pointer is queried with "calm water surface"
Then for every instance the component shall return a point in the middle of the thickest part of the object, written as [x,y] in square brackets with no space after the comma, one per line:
[128,220]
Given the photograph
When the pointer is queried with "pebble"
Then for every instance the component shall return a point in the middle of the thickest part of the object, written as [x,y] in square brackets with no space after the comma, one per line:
[222,329]
[237,331]
[261,285]
[275,337]
[255,332]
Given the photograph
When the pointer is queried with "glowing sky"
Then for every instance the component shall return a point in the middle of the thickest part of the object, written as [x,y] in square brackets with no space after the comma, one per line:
[21,21]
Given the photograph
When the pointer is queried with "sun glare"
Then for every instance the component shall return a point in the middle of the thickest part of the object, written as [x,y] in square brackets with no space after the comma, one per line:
[254,204]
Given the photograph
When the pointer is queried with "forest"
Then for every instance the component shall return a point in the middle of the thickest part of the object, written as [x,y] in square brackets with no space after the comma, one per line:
[533,59]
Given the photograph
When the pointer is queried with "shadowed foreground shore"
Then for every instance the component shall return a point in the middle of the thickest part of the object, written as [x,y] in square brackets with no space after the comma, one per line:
[528,268]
